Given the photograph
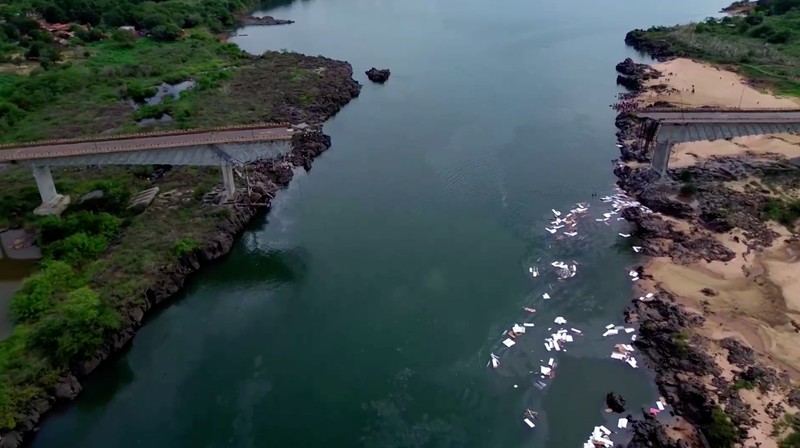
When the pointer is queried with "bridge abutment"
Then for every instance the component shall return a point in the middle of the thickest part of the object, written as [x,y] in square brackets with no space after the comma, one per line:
[52,202]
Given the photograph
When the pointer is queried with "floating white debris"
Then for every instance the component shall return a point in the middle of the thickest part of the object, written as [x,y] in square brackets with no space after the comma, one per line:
[560,320]
[660,405]
[568,338]
[576,330]
[624,235]
[528,324]
[515,386]
[550,230]
[550,362]
[495,363]
[605,430]
[637,249]
[529,423]
[610,332]
[630,330]
[529,309]
[508,342]
[548,345]
[609,326]
[633,338]
[632,362]
[622,423]
[570,234]
[649,295]
[619,356]
[545,370]
[633,274]
[518,328]
[556,213]
[545,296]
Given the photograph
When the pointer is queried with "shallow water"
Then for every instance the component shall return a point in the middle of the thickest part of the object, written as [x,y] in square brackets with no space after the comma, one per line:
[364,309]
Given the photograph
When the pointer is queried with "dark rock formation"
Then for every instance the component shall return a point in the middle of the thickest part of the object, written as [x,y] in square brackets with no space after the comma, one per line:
[379,76]
[615,402]
[641,41]
[650,433]
[264,21]
[633,76]
[708,292]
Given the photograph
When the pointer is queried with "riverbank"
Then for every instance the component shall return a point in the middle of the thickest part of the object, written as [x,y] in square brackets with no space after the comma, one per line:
[722,332]
[151,255]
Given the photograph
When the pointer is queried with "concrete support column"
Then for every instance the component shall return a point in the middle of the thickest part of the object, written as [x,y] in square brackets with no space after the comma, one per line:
[227,179]
[660,161]
[52,202]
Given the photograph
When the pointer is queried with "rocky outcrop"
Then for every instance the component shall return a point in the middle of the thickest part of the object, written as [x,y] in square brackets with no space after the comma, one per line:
[378,76]
[264,21]
[633,75]
[642,41]
[615,402]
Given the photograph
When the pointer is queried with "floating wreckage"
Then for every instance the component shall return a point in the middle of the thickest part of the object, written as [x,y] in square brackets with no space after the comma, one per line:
[599,438]
[529,417]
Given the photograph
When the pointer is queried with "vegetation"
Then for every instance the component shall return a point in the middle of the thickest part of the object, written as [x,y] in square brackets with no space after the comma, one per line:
[22,36]
[786,212]
[787,429]
[97,260]
[763,45]
[720,432]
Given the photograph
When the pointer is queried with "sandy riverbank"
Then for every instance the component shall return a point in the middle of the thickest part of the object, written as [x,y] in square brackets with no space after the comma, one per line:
[747,288]
[712,87]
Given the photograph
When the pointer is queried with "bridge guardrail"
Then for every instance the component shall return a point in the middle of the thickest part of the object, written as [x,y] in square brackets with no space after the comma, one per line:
[94,150]
[110,138]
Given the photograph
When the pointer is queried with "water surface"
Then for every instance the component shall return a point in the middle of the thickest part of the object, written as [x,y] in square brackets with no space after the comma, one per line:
[363,310]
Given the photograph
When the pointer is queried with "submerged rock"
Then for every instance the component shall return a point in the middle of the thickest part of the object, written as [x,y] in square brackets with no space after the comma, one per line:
[378,76]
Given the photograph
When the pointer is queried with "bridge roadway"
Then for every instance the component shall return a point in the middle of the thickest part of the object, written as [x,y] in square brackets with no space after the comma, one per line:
[708,124]
[710,115]
[144,142]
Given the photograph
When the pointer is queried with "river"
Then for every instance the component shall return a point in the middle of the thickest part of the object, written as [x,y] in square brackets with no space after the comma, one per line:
[363,309]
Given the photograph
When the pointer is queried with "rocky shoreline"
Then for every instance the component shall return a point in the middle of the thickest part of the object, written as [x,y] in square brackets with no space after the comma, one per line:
[266,179]
[692,206]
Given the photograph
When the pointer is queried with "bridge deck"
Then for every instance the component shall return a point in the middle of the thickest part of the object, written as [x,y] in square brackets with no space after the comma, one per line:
[52,150]
[721,115]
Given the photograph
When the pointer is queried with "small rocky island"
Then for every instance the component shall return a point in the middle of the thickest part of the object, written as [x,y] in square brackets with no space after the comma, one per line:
[378,76]
[265,21]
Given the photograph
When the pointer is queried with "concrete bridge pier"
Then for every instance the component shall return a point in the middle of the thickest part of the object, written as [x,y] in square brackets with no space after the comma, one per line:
[52,202]
[660,161]
[227,179]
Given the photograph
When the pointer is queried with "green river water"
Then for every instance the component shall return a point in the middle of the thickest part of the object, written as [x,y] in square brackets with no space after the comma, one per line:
[363,309]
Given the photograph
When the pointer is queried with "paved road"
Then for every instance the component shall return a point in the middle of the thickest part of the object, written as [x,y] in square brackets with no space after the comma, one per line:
[144,142]
[678,116]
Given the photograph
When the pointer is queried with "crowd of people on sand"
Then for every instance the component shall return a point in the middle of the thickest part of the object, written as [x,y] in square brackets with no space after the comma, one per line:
[626,102]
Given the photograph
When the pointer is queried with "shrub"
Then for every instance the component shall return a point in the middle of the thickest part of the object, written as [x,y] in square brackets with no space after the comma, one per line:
[78,248]
[38,292]
[720,432]
[138,92]
[185,247]
[76,328]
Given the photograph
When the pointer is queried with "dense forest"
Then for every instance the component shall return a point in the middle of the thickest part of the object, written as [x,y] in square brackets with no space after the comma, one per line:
[22,36]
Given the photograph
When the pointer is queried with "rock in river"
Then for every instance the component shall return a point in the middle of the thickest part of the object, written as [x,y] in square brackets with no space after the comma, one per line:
[379,76]
[615,402]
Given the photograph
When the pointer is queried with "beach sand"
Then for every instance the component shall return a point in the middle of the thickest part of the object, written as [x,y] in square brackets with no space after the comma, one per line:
[758,294]
[713,87]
